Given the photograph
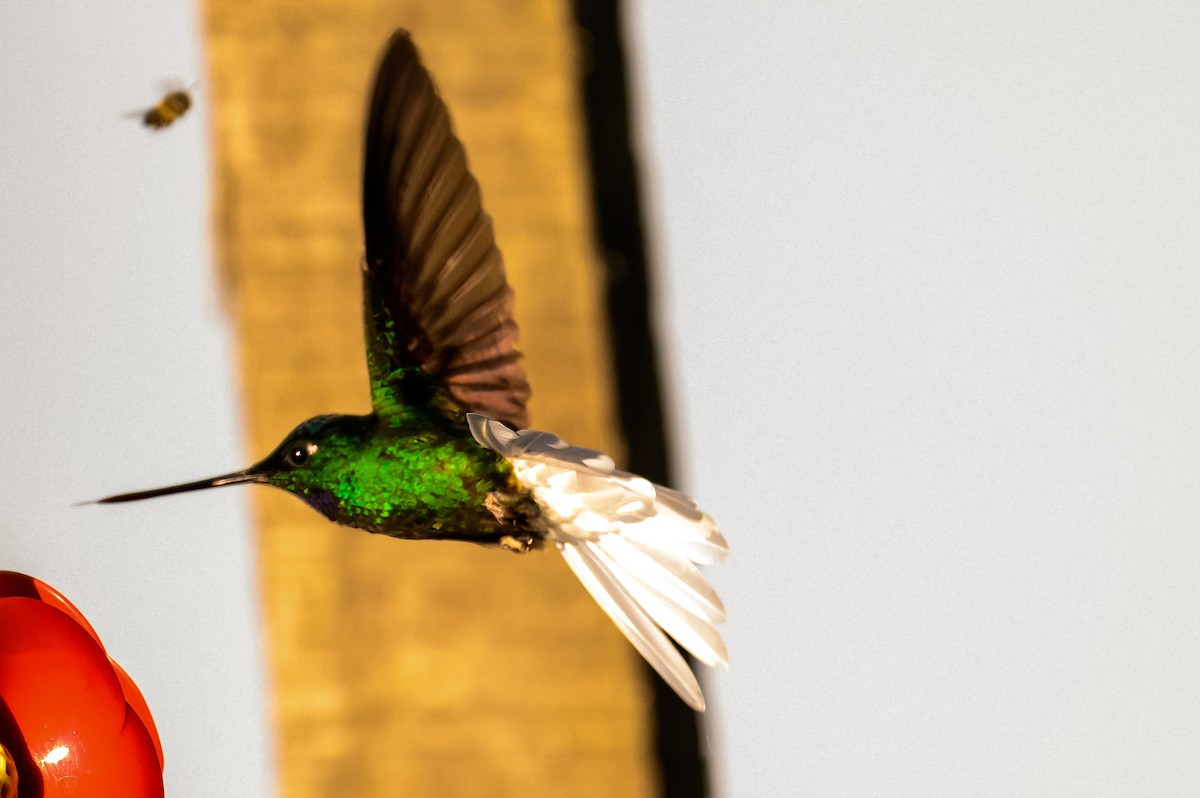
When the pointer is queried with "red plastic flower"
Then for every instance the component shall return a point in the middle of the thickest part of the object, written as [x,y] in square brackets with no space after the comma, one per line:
[72,722]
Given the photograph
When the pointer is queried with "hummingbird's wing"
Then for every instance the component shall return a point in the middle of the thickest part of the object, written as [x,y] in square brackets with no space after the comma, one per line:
[436,296]
[633,544]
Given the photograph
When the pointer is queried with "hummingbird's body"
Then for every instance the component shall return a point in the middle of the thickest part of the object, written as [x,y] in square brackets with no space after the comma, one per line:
[407,476]
[437,459]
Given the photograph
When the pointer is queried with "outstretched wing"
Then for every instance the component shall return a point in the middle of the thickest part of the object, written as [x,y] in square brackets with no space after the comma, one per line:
[633,544]
[437,301]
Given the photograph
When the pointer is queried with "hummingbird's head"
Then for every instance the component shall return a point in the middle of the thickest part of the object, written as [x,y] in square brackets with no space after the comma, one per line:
[314,459]
[310,462]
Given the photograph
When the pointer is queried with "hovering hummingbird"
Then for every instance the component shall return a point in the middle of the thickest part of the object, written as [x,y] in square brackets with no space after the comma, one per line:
[438,458]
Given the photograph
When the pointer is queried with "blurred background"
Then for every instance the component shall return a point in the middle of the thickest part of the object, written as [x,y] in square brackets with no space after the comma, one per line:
[922,281]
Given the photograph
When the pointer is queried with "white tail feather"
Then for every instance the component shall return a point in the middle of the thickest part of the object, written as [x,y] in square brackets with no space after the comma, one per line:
[673,537]
[633,621]
[692,631]
[674,577]
[633,544]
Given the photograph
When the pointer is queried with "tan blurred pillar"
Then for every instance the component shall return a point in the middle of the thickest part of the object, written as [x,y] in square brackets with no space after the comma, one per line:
[404,668]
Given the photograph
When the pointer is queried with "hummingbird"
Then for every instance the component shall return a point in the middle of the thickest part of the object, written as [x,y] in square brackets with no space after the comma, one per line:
[445,453]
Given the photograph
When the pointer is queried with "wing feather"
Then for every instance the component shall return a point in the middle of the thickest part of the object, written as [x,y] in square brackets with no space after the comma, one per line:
[437,299]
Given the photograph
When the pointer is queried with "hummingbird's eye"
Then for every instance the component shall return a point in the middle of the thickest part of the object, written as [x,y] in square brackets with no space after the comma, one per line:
[299,454]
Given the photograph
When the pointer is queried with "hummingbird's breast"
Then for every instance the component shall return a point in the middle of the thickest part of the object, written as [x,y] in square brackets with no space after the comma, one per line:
[424,483]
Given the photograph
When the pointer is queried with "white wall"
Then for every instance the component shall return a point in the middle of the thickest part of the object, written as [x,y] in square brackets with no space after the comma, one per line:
[116,373]
[932,293]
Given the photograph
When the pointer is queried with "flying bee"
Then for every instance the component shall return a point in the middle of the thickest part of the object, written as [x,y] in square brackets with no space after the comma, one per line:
[168,109]
[172,106]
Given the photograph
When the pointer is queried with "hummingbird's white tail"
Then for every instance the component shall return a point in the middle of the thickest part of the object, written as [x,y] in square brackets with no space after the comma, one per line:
[633,544]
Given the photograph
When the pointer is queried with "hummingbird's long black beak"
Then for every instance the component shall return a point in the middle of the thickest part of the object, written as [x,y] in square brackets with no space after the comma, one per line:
[249,475]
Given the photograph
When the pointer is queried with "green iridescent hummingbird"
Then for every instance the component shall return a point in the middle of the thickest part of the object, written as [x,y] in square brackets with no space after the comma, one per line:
[439,458]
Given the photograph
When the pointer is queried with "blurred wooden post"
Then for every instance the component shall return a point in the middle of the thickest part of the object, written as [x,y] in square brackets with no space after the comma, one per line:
[404,668]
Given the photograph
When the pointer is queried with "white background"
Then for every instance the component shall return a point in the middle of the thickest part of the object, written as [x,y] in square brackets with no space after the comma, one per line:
[933,300]
[116,374]
[929,275]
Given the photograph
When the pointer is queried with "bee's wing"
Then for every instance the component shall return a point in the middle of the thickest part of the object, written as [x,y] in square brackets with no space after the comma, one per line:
[438,304]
